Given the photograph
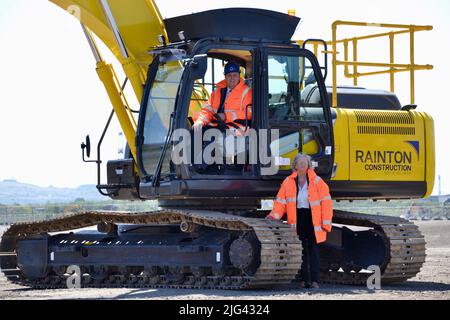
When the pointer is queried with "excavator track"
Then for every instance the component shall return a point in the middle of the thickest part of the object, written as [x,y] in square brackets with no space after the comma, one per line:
[280,250]
[405,246]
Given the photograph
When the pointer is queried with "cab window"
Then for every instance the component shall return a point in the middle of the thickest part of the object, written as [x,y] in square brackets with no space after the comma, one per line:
[293,90]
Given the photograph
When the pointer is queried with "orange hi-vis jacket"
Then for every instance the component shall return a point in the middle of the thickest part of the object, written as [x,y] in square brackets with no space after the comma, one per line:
[319,201]
[236,103]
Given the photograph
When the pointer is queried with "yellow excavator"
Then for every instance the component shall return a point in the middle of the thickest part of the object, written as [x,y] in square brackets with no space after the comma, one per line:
[210,230]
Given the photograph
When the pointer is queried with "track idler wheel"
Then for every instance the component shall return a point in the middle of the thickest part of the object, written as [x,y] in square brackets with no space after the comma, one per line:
[244,254]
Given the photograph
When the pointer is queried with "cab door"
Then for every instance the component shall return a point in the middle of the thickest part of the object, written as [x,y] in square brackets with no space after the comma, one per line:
[296,104]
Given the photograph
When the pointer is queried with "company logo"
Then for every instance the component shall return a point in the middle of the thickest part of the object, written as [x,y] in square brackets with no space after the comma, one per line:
[416,146]
[388,160]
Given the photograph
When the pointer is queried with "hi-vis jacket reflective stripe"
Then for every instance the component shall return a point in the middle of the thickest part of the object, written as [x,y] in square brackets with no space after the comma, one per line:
[234,107]
[319,200]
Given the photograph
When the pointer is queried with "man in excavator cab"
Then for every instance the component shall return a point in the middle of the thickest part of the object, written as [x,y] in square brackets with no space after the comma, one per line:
[230,105]
[229,110]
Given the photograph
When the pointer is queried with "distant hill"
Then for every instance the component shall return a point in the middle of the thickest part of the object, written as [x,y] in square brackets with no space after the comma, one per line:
[14,192]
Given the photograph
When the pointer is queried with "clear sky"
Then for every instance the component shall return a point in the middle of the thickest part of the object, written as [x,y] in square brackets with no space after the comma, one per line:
[51,96]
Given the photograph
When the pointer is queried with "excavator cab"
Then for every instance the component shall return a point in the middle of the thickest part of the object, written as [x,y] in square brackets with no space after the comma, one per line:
[284,121]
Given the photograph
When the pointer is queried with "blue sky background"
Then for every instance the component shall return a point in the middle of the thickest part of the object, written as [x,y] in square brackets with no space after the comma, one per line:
[51,96]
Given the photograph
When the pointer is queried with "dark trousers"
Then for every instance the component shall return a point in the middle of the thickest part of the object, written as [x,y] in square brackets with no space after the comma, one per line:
[202,165]
[309,271]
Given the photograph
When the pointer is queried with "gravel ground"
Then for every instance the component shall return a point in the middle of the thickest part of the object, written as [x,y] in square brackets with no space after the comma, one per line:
[433,282]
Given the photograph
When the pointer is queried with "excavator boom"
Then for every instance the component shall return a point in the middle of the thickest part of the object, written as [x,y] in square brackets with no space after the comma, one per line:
[138,26]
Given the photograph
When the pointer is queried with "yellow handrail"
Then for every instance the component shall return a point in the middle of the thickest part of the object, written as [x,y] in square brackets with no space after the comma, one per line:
[390,67]
[393,68]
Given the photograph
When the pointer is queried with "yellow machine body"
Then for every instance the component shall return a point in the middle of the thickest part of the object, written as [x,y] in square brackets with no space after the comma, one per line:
[384,146]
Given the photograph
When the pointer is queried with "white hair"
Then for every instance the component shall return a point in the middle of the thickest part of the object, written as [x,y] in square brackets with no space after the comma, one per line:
[299,157]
